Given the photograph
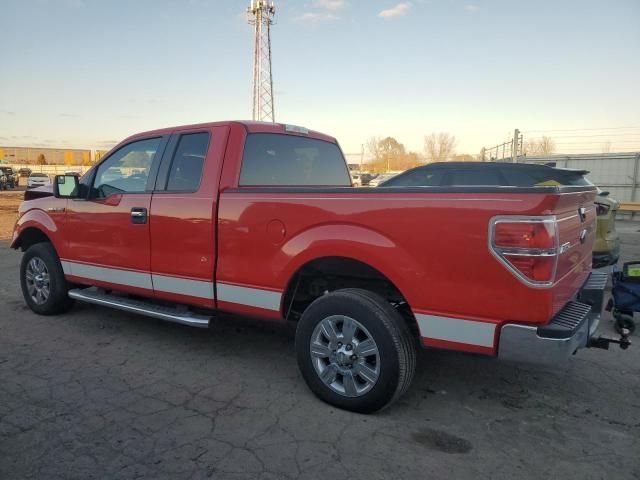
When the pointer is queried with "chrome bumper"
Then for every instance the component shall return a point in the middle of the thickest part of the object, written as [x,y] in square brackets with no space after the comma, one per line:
[571,329]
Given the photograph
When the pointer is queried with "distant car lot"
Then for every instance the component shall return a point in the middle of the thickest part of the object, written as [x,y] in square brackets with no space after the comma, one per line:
[102,394]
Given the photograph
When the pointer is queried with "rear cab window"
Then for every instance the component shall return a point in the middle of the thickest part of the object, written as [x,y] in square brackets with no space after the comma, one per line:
[289,160]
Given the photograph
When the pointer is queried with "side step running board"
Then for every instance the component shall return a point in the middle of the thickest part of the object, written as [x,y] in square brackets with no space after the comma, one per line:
[98,297]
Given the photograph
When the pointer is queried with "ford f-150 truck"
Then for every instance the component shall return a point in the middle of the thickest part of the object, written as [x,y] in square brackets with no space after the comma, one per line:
[261,219]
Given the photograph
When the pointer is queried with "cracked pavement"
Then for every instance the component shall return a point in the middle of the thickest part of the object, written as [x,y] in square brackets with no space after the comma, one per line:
[97,393]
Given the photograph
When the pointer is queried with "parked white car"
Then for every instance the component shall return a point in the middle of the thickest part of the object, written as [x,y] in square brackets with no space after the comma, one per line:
[38,180]
[381,178]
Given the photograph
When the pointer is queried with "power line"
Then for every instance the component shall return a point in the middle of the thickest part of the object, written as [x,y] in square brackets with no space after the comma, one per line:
[610,135]
[636,142]
[593,149]
[579,129]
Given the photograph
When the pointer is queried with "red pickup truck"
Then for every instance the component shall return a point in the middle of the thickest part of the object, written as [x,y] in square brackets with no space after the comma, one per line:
[261,219]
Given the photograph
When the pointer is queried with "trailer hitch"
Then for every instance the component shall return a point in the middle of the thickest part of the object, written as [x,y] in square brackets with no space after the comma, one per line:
[603,342]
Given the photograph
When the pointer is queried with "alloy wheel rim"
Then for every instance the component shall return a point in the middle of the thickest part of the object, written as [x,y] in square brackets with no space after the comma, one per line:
[345,356]
[38,281]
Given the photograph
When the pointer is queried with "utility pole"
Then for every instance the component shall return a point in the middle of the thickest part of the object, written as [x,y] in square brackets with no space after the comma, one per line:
[261,13]
[514,146]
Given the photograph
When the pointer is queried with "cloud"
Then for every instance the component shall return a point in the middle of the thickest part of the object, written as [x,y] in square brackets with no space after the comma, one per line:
[470,8]
[333,5]
[314,17]
[11,114]
[68,115]
[399,10]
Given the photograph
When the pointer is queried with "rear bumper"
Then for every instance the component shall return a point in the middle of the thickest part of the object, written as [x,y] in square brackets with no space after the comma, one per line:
[571,329]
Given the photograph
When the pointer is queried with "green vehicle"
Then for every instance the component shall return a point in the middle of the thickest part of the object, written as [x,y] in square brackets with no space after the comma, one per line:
[606,249]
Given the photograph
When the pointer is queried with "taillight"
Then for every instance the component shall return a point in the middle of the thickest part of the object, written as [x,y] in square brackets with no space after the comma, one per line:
[602,209]
[509,234]
[527,246]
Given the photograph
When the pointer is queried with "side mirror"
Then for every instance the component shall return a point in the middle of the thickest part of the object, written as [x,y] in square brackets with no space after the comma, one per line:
[603,193]
[66,186]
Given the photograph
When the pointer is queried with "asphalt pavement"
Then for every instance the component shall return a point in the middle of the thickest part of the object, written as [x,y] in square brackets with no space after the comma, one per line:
[97,393]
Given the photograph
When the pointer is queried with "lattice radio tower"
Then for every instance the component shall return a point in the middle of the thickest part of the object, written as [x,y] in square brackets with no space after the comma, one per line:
[260,14]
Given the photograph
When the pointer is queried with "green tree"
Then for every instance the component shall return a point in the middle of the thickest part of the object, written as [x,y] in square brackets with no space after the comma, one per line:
[41,159]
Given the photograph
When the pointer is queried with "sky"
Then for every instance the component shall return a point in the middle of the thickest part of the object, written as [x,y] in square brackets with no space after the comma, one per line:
[87,73]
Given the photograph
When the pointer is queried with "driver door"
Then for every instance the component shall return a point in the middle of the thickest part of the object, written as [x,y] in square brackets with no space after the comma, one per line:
[108,231]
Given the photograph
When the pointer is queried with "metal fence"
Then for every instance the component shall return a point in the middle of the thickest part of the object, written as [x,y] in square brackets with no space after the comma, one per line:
[49,169]
[617,173]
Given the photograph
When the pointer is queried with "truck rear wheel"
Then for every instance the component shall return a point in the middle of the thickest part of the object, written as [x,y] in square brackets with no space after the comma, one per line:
[355,351]
[42,280]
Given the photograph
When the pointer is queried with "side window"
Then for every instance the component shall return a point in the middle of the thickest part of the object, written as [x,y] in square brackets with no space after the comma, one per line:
[188,162]
[417,178]
[127,170]
[518,177]
[474,177]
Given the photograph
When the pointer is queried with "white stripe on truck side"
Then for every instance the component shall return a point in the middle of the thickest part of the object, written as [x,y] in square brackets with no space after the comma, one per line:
[106,274]
[183,286]
[456,330]
[253,297]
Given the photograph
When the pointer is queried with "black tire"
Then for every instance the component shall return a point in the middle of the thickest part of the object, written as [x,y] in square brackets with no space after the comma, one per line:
[624,321]
[395,344]
[58,300]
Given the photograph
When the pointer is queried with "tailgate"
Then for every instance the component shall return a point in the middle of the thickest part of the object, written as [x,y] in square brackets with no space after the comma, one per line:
[576,228]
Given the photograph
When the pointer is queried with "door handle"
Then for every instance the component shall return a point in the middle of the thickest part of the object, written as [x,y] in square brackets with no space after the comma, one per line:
[138,215]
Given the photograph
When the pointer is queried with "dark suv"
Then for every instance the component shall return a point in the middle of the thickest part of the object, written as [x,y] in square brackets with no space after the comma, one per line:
[11,177]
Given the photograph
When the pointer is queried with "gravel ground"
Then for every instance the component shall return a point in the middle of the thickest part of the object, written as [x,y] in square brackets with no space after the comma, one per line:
[9,202]
[101,394]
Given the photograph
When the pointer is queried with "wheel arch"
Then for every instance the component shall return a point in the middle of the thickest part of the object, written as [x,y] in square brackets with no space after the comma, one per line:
[30,236]
[322,274]
[34,227]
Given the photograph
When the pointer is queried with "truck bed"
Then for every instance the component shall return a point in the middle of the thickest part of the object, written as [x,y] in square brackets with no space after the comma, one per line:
[431,242]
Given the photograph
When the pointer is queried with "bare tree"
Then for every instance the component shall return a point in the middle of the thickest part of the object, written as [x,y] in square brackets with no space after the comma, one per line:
[389,154]
[547,146]
[41,159]
[439,147]
[542,147]
[373,147]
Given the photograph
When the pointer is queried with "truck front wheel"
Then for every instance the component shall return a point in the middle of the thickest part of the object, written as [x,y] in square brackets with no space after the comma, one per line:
[42,280]
[355,351]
